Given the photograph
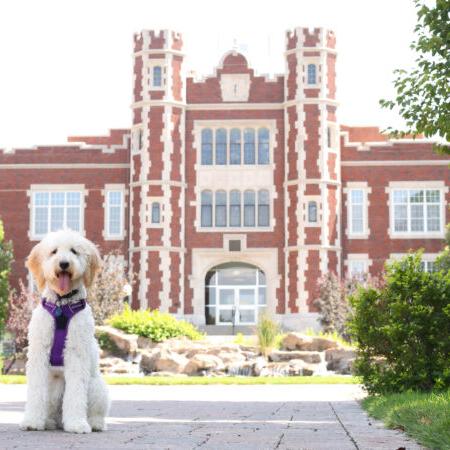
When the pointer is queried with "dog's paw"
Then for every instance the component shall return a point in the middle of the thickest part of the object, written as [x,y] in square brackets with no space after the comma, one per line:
[32,424]
[97,423]
[77,426]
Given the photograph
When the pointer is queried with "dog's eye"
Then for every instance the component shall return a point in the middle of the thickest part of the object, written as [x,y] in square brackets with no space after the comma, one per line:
[54,251]
[74,251]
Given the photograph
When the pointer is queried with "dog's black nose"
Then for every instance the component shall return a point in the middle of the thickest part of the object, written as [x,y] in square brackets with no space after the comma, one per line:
[64,265]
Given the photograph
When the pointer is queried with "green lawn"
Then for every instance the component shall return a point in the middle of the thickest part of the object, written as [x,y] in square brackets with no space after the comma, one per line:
[336,379]
[424,416]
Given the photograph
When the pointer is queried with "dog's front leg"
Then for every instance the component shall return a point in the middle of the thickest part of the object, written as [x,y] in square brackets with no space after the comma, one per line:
[40,337]
[75,398]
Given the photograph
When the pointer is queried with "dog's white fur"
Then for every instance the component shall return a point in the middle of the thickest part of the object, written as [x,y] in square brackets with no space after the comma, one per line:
[73,397]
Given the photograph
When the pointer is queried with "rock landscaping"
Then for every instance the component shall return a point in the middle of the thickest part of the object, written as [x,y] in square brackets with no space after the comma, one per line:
[299,355]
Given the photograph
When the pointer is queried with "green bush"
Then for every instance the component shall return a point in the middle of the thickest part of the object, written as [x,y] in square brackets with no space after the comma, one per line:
[267,332]
[6,257]
[153,324]
[402,329]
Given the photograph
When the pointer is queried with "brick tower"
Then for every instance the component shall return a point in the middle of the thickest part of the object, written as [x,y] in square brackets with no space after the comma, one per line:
[157,171]
[312,181]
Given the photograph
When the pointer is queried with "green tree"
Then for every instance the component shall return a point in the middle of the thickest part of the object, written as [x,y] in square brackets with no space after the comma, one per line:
[6,256]
[423,93]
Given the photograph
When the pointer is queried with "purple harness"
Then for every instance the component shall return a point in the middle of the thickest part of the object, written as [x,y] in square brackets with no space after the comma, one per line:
[62,315]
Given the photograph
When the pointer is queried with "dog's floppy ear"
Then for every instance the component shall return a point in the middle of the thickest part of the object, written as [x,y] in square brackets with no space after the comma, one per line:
[94,263]
[34,265]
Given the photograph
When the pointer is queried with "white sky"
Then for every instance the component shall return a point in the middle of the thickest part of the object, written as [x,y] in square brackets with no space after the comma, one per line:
[66,66]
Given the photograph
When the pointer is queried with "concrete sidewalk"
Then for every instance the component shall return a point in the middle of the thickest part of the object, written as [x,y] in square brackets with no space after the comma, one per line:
[216,417]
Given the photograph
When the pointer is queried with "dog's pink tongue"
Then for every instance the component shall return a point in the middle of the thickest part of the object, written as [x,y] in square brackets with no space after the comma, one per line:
[64,281]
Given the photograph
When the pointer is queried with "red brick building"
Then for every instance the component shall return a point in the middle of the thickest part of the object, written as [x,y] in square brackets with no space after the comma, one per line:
[232,194]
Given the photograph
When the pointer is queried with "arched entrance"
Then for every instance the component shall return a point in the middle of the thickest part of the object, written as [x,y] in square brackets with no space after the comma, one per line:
[235,294]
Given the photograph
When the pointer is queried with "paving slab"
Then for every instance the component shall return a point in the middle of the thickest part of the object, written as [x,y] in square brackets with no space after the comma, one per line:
[216,417]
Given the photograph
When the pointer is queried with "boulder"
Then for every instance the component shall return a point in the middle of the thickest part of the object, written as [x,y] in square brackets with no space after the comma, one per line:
[340,360]
[122,344]
[168,361]
[230,357]
[300,367]
[145,343]
[167,374]
[162,360]
[275,369]
[298,341]
[309,357]
[202,362]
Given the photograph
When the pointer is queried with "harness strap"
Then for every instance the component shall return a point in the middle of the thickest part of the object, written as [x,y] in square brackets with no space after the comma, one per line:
[62,316]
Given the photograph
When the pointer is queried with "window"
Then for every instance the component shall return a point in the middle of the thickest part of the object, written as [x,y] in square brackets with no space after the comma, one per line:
[263,146]
[207,144]
[249,208]
[137,140]
[157,76]
[235,293]
[156,213]
[235,209]
[114,213]
[249,146]
[312,76]
[221,209]
[416,210]
[329,143]
[356,219]
[357,268]
[312,212]
[221,146]
[263,208]
[55,210]
[235,146]
[428,266]
[206,211]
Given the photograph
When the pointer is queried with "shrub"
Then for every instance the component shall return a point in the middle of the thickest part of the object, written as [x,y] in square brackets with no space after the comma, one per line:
[106,295]
[402,329]
[334,309]
[6,256]
[267,332]
[20,308]
[153,324]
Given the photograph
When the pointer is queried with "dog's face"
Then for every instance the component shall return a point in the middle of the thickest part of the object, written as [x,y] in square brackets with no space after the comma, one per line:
[63,259]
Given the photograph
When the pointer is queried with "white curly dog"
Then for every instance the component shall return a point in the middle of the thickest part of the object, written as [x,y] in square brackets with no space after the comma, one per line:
[65,389]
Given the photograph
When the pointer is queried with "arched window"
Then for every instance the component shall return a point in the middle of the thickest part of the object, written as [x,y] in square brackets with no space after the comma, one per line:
[157,76]
[221,146]
[221,209]
[235,209]
[312,212]
[156,212]
[312,75]
[207,144]
[206,211]
[249,146]
[249,208]
[235,146]
[263,146]
[235,293]
[263,208]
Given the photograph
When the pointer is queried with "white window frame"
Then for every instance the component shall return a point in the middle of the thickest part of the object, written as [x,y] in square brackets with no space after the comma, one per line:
[417,185]
[353,258]
[151,63]
[316,62]
[242,227]
[360,186]
[136,139]
[106,234]
[51,188]
[307,200]
[426,257]
[152,200]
